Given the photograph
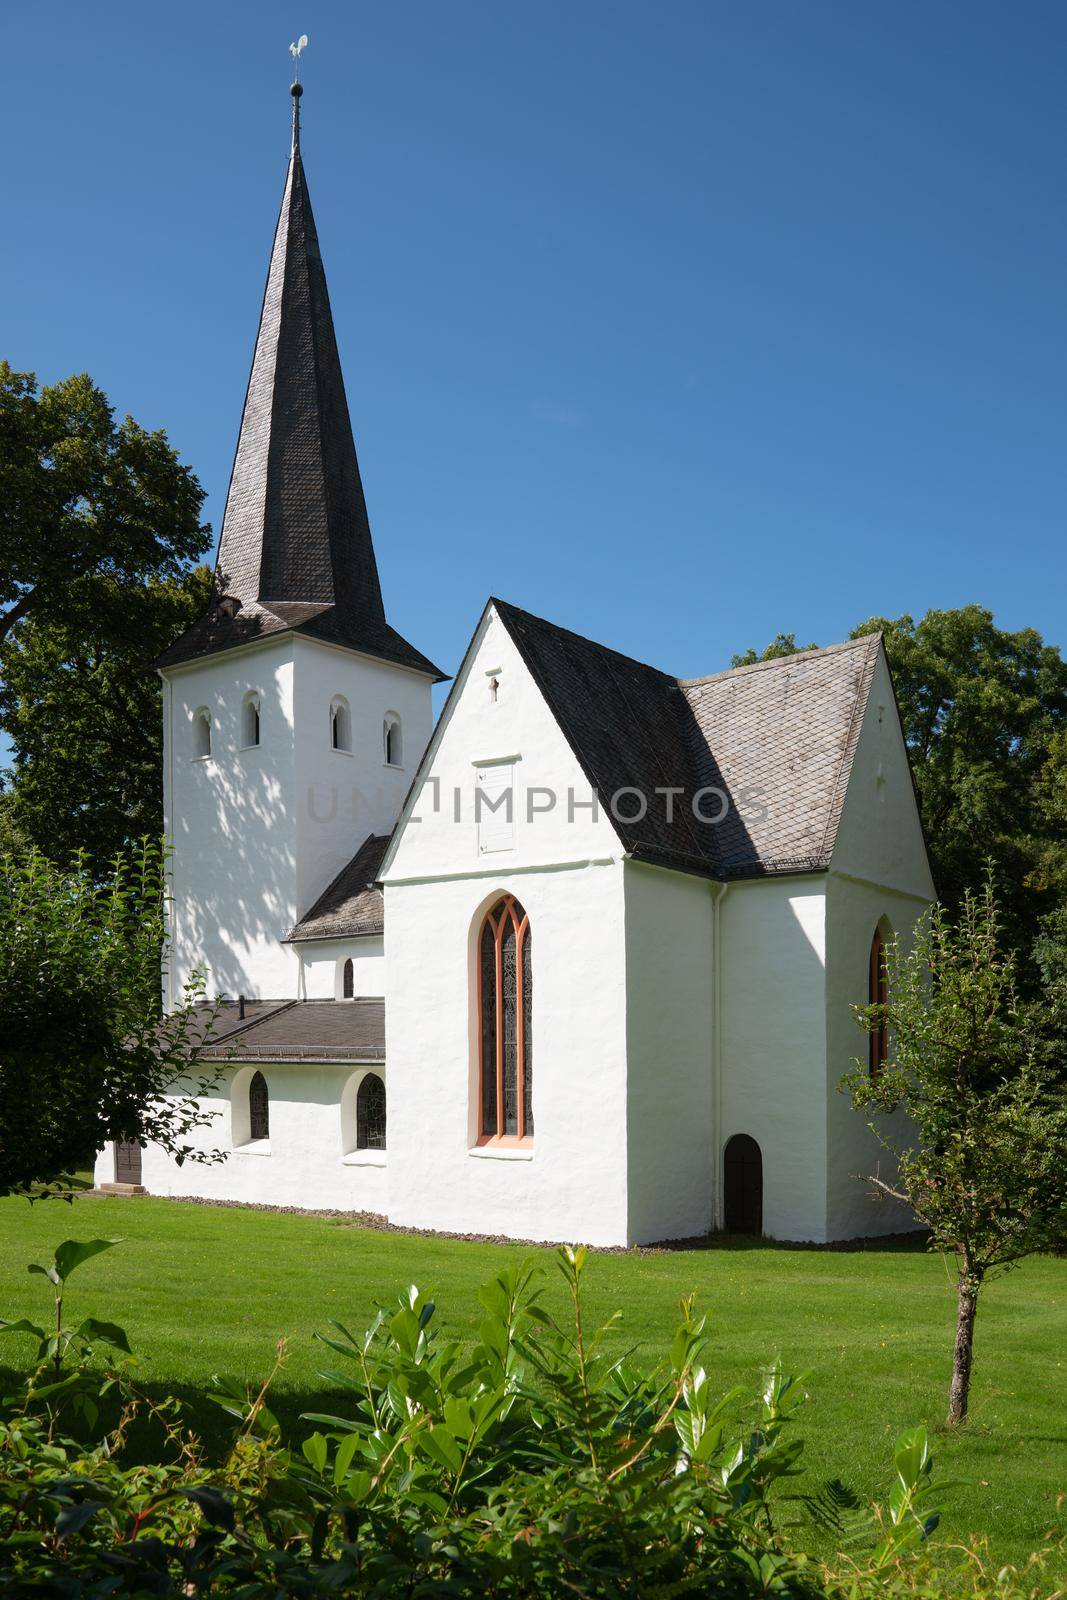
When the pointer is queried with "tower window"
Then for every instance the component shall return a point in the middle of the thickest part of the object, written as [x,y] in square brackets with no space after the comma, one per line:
[250,722]
[201,733]
[340,724]
[258,1108]
[505,995]
[370,1113]
[392,740]
[347,980]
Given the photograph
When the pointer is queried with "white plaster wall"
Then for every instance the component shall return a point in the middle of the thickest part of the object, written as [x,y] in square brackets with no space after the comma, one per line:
[670,1131]
[443,840]
[879,871]
[853,1152]
[572,1184]
[564,865]
[306,1165]
[773,1046]
[231,821]
[880,836]
[258,834]
[323,960]
[342,796]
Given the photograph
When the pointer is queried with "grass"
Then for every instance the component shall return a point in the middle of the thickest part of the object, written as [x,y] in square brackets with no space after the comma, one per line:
[203,1289]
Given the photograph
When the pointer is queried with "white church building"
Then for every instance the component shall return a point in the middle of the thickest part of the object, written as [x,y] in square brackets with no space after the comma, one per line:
[577,963]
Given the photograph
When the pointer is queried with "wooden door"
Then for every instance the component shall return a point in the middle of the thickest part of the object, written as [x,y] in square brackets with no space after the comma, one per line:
[127,1162]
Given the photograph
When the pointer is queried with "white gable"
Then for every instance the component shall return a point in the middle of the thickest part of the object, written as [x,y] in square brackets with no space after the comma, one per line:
[879,837]
[499,788]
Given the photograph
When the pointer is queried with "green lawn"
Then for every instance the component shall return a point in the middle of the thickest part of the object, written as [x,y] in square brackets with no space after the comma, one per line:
[208,1289]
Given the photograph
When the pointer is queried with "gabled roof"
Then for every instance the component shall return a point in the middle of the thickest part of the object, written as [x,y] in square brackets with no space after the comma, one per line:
[296,549]
[778,739]
[352,904]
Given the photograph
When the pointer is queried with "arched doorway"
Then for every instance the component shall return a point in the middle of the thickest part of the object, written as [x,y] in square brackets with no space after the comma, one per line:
[743,1185]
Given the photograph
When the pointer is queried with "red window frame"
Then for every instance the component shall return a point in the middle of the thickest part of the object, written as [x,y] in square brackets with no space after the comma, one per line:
[506,911]
[878,995]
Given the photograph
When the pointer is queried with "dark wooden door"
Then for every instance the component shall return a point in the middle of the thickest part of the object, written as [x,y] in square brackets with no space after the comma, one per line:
[743,1185]
[127,1162]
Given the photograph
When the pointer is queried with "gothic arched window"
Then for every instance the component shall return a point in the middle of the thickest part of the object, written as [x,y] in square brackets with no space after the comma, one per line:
[258,1108]
[370,1113]
[878,995]
[347,980]
[505,993]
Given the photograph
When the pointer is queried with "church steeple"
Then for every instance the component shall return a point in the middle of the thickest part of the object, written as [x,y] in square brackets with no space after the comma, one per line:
[296,549]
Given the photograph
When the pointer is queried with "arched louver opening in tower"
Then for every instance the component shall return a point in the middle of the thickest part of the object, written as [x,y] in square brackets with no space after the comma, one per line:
[370,1113]
[878,995]
[392,741]
[258,1108]
[340,724]
[505,1001]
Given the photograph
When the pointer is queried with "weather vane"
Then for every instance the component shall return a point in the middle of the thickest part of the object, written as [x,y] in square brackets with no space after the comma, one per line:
[295,50]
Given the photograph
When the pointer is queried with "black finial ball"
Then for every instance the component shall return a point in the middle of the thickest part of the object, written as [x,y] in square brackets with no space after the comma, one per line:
[297,90]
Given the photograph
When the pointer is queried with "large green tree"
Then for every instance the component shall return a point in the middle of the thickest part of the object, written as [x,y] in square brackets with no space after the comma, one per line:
[99,532]
[86,1053]
[984,712]
[82,494]
[82,710]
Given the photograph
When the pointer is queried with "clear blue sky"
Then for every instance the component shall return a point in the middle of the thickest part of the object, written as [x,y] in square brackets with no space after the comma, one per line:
[677,323]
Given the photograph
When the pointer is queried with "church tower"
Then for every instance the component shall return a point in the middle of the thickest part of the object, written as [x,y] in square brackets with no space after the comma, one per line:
[294,715]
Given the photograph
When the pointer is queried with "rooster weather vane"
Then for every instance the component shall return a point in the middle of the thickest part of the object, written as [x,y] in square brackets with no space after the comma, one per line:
[296,50]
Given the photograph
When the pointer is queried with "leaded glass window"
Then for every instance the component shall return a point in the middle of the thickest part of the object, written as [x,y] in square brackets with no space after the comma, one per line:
[370,1113]
[878,995]
[505,998]
[258,1108]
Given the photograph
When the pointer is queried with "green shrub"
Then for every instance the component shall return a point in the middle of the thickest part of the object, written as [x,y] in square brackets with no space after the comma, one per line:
[532,1464]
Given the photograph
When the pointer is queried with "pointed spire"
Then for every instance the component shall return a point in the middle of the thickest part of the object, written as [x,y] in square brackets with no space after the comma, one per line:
[296,90]
[296,548]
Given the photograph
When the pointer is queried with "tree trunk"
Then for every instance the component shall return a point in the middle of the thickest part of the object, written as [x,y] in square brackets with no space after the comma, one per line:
[960,1388]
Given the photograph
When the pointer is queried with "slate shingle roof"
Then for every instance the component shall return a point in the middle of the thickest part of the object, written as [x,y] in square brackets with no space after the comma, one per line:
[778,740]
[301,1030]
[296,547]
[352,904]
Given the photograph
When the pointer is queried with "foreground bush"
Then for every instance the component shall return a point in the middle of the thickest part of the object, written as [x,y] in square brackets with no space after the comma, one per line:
[529,1465]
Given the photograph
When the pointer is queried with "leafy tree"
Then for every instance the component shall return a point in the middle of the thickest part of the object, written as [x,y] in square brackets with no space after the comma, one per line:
[81,494]
[981,1156]
[86,1054]
[82,710]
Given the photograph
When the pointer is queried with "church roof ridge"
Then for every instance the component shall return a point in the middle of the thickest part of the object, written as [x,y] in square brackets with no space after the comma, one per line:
[779,661]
